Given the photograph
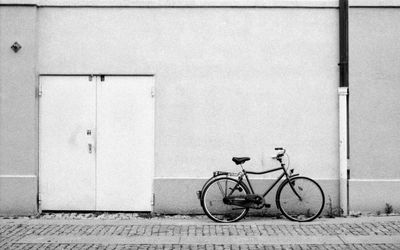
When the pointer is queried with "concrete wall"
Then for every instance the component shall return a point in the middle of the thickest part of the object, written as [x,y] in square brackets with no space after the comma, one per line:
[18,111]
[374,108]
[229,82]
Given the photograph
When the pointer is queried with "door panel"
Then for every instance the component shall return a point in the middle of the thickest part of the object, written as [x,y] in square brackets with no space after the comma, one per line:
[67,168]
[96,143]
[125,143]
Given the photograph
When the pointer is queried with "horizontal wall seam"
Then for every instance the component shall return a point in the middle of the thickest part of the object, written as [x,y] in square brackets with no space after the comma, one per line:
[175,6]
[201,3]
[17,176]
[250,177]
[201,6]
[17,5]
[176,3]
[374,180]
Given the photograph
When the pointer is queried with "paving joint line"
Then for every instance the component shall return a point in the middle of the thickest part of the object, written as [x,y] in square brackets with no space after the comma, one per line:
[215,240]
[343,241]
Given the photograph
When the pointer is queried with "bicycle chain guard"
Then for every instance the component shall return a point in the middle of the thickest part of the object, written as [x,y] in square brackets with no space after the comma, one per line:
[248,201]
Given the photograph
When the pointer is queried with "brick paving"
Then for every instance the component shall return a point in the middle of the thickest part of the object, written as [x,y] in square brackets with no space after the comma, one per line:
[42,234]
[203,247]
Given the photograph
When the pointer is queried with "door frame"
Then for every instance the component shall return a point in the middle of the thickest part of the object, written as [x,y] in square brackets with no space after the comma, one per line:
[39,94]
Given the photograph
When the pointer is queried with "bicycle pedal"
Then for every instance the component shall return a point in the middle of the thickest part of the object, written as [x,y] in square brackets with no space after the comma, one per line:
[267,205]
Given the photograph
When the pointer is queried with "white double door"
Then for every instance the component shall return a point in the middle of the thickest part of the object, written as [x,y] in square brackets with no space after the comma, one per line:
[96,143]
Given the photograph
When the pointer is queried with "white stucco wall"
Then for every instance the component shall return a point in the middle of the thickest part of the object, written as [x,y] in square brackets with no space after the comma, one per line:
[229,82]
[374,93]
[374,108]
[18,111]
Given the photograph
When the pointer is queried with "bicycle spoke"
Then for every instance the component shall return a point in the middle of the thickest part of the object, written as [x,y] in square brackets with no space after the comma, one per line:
[220,188]
[226,187]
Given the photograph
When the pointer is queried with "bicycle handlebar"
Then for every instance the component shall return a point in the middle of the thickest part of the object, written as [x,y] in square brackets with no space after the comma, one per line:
[279,155]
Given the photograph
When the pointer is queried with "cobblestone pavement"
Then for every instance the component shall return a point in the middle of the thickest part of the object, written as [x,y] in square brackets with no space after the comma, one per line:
[200,233]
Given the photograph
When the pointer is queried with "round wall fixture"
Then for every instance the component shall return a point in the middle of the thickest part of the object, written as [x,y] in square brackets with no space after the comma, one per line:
[16,47]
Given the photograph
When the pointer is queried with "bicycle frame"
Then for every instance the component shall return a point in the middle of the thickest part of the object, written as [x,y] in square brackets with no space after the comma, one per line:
[245,173]
[284,174]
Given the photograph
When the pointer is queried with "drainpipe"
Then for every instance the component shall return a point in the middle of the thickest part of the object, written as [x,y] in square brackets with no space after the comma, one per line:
[343,105]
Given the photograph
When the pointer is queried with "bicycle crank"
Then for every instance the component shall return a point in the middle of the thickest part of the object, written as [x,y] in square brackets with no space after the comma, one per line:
[248,201]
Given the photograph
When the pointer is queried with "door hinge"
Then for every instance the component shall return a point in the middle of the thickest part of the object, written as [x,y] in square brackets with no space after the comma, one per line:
[90,78]
[102,78]
[153,199]
[39,198]
[39,93]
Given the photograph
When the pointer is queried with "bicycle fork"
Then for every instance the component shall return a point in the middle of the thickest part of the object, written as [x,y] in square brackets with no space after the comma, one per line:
[293,189]
[288,177]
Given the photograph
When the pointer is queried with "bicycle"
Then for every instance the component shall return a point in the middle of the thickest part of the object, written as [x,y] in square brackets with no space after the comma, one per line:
[225,197]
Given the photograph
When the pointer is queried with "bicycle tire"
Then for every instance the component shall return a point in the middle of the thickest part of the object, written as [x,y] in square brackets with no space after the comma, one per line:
[311,204]
[213,204]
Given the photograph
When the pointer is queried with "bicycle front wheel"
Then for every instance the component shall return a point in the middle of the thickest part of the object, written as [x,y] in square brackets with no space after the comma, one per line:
[214,200]
[300,199]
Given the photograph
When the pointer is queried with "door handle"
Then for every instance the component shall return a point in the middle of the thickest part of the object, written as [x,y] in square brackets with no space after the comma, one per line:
[90,147]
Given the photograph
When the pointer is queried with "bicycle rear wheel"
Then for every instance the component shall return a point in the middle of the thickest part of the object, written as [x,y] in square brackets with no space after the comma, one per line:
[214,205]
[302,201]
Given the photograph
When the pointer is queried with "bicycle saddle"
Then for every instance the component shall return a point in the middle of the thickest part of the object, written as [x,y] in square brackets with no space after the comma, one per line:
[240,160]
